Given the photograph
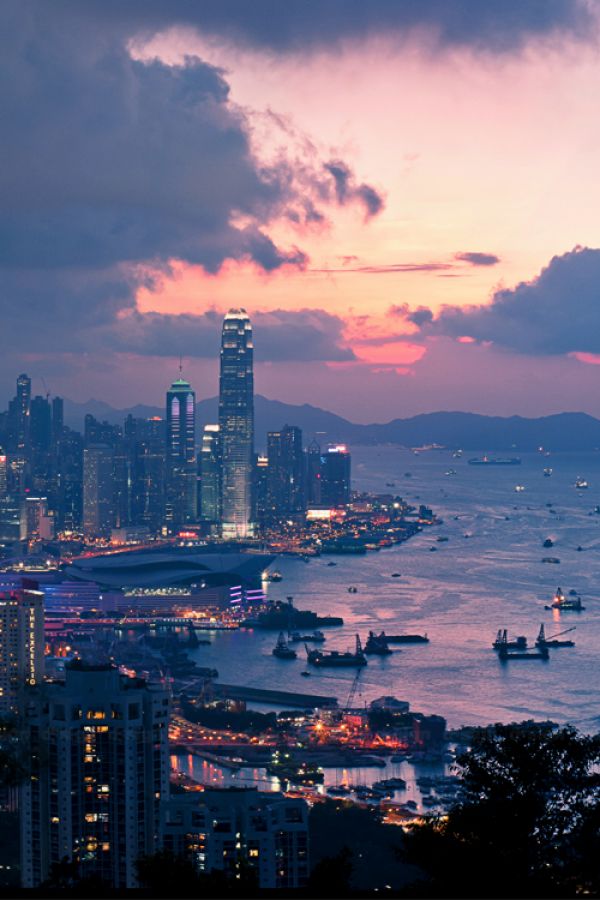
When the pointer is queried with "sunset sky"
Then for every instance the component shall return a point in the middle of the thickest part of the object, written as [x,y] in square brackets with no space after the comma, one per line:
[403,195]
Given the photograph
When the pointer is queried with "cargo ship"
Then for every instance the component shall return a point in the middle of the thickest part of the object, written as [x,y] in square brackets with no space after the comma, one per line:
[337,658]
[495,461]
[407,639]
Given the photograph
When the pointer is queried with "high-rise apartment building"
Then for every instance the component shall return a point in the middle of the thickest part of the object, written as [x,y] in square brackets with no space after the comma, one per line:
[3,474]
[99,774]
[236,422]
[21,643]
[181,475]
[285,478]
[241,828]
[210,474]
[312,478]
[98,490]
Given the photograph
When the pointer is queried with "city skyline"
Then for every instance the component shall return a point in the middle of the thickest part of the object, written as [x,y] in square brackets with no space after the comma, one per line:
[393,264]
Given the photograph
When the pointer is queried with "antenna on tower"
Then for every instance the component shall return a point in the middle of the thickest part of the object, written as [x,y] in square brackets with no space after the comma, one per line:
[180,366]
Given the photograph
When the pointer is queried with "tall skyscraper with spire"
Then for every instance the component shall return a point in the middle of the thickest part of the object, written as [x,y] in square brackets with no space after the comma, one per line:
[236,424]
[181,481]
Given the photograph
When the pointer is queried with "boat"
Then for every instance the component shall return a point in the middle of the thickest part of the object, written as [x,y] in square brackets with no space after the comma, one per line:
[551,559]
[563,604]
[273,576]
[547,473]
[280,616]
[502,642]
[581,484]
[407,639]
[281,649]
[337,658]
[395,574]
[494,461]
[552,641]
[450,472]
[519,488]
[548,543]
[377,644]
[395,783]
[352,590]
[331,563]
[316,637]
[305,674]
[390,484]
[442,539]
[541,653]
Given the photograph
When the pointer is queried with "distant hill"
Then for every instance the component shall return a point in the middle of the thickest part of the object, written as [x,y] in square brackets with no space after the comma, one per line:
[563,431]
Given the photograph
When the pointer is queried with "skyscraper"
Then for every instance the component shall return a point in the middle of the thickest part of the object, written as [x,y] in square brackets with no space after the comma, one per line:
[181,481]
[21,643]
[22,411]
[236,422]
[285,478]
[210,474]
[99,774]
[335,476]
[98,491]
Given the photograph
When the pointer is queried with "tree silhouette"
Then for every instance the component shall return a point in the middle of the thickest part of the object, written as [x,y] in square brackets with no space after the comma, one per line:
[527,822]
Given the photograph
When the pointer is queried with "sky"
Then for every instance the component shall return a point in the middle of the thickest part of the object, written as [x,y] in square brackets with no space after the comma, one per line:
[402,194]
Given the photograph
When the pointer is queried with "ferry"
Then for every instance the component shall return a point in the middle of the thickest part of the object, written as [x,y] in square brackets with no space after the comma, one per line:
[337,658]
[315,636]
[494,461]
[273,576]
[561,603]
[281,649]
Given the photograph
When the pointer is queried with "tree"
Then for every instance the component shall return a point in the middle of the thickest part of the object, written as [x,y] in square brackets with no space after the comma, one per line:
[527,822]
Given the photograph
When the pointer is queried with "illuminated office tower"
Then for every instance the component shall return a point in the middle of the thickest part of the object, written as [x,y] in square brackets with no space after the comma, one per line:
[98,491]
[99,774]
[335,476]
[181,481]
[22,412]
[236,421]
[285,478]
[21,643]
[210,474]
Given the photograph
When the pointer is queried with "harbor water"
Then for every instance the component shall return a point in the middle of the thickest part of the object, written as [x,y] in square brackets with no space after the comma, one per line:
[488,574]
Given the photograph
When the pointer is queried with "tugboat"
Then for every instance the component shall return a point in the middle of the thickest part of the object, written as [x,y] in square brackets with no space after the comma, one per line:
[561,603]
[337,658]
[273,576]
[502,643]
[543,641]
[281,649]
[377,644]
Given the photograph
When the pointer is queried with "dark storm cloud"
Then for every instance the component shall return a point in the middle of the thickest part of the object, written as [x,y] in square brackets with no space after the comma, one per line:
[495,25]
[478,259]
[556,313]
[112,167]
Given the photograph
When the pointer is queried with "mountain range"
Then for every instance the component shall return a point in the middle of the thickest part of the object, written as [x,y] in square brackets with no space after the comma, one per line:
[562,431]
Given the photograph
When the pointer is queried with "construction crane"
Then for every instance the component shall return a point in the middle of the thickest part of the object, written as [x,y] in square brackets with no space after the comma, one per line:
[353,689]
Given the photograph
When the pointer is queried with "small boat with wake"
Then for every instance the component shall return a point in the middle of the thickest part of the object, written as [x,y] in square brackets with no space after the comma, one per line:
[316,637]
